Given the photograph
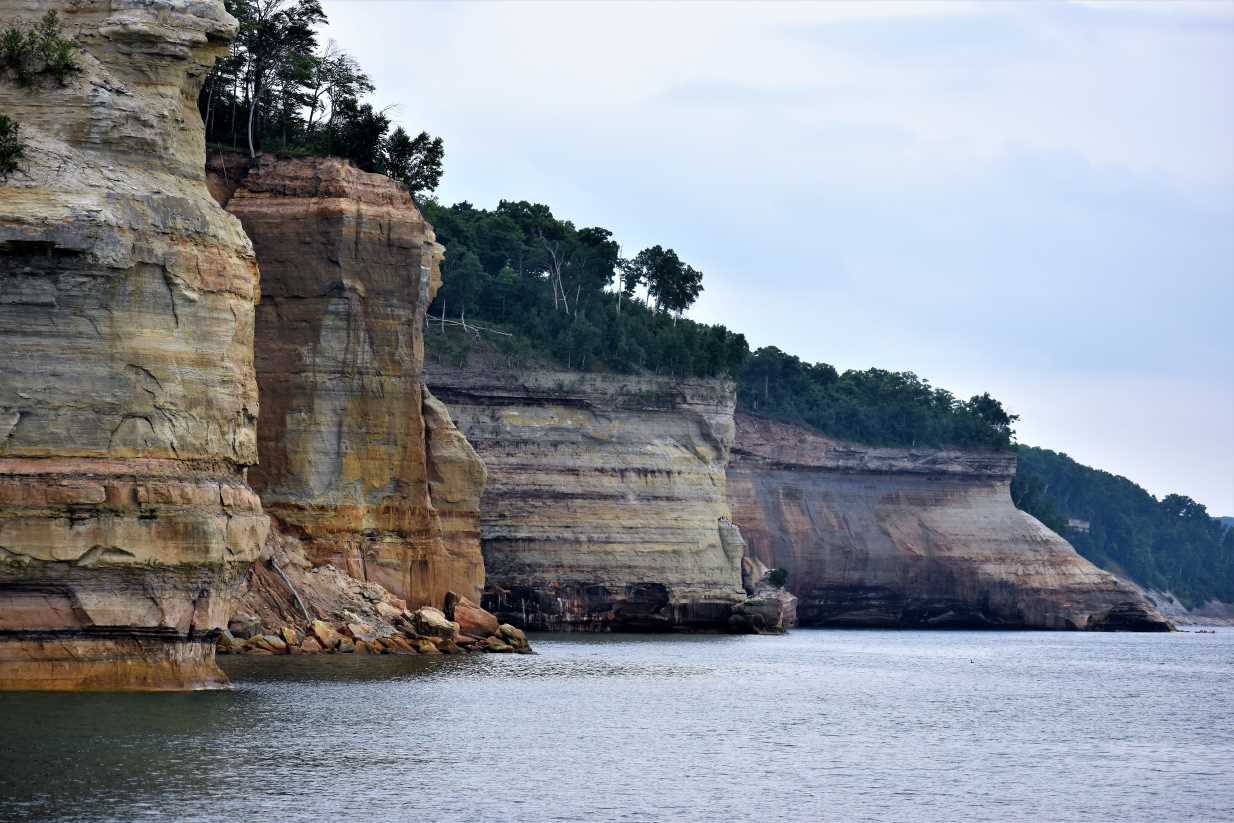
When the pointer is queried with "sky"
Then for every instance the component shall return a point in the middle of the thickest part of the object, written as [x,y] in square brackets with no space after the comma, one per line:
[1035,200]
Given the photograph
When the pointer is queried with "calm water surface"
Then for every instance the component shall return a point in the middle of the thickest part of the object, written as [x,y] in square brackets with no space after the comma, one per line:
[820,725]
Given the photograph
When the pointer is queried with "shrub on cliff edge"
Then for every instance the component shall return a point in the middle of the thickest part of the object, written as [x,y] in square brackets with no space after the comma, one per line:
[11,147]
[43,49]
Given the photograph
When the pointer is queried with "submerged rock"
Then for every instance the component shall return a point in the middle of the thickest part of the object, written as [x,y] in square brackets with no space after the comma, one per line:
[512,635]
[495,644]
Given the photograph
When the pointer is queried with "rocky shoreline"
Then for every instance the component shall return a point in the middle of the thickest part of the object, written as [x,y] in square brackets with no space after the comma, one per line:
[424,631]
[288,604]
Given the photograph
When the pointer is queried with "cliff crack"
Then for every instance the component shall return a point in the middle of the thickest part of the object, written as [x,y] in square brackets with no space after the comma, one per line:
[144,372]
[126,418]
[171,293]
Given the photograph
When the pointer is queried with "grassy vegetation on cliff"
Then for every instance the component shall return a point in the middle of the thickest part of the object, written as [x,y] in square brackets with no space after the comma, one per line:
[1170,544]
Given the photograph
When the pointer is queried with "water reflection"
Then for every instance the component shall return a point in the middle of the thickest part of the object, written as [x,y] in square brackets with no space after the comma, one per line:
[836,725]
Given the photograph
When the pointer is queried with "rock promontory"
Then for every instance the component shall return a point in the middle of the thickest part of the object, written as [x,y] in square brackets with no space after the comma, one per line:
[127,393]
[357,457]
[912,538]
[606,505]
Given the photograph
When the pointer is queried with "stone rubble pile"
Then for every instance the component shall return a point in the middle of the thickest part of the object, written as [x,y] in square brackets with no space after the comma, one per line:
[397,631]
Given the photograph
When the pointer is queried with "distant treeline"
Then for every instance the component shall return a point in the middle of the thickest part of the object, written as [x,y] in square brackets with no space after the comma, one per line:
[1170,544]
[872,406]
[568,294]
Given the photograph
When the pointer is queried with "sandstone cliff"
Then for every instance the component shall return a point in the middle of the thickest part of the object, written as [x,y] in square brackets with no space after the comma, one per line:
[605,506]
[912,537]
[356,457]
[127,395]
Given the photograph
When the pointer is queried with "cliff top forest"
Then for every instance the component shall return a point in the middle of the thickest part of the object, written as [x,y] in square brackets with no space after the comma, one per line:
[1170,544]
[555,290]
[280,90]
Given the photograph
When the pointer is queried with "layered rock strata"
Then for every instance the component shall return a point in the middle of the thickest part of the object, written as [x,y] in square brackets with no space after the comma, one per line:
[356,457]
[605,506]
[127,394]
[912,538]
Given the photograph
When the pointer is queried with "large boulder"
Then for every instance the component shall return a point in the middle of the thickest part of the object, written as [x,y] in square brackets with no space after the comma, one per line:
[473,620]
[430,622]
[326,635]
[770,609]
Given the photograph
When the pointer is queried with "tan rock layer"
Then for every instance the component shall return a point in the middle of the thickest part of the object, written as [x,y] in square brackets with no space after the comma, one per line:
[912,537]
[127,396]
[355,455]
[605,505]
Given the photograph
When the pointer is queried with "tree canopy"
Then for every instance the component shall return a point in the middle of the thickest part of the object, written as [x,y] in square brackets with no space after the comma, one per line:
[568,294]
[280,90]
[554,287]
[1170,544]
[872,406]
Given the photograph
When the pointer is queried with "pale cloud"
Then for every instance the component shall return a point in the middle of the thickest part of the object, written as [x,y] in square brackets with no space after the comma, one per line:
[1036,199]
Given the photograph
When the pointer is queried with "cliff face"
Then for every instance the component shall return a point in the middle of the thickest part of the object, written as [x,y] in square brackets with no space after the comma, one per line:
[127,396]
[912,538]
[605,506]
[356,457]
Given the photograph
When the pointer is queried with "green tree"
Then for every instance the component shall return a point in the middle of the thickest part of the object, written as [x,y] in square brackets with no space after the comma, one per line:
[1171,545]
[670,282]
[12,149]
[274,34]
[43,49]
[414,161]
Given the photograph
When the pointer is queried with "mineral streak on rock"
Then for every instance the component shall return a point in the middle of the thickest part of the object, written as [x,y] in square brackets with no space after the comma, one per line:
[127,395]
[912,538]
[605,506]
[356,456]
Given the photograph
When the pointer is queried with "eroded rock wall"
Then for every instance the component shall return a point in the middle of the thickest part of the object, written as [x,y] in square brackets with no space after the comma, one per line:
[356,457]
[127,395]
[605,506]
[912,538]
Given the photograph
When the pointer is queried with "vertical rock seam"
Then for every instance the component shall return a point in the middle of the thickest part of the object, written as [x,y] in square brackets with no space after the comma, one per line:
[912,538]
[357,459]
[605,507]
[127,395]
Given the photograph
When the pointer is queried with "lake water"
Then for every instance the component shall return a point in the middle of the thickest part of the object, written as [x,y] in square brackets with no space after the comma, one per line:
[819,725]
